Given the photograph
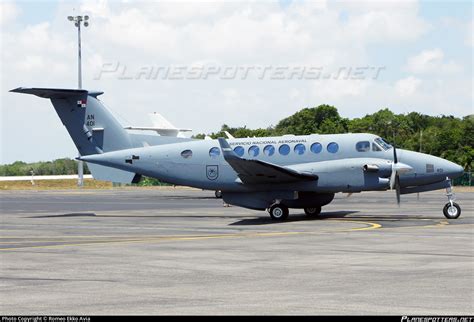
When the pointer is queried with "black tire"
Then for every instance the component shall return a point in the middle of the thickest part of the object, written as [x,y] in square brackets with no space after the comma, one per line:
[313,211]
[279,212]
[452,212]
[218,194]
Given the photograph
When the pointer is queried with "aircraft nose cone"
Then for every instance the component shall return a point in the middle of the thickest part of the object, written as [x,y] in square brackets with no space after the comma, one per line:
[451,169]
[455,170]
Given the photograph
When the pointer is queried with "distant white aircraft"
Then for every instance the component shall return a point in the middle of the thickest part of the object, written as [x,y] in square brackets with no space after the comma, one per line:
[161,126]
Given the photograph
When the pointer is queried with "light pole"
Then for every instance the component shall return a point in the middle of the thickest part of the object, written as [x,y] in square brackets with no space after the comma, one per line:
[78,20]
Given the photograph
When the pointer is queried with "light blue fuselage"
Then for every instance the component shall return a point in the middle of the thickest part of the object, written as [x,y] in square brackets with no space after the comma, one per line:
[340,170]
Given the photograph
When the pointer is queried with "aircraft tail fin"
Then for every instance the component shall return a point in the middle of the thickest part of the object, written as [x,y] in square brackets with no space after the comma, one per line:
[91,126]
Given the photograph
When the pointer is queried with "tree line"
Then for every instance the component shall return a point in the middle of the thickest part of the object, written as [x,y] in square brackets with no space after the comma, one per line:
[448,137]
[56,167]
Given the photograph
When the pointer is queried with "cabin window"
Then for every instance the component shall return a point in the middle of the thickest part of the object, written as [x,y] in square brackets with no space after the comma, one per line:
[284,149]
[187,154]
[333,147]
[299,149]
[429,168]
[254,151]
[376,148]
[214,152]
[269,150]
[383,144]
[363,146]
[316,147]
[239,151]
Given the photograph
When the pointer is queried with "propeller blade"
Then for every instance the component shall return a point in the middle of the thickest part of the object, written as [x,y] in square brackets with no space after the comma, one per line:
[395,159]
[397,189]
[393,177]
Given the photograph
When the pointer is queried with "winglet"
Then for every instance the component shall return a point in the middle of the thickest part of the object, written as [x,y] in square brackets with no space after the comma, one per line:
[229,136]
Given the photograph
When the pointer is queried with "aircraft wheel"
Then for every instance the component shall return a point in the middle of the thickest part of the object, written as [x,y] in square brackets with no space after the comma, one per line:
[452,212]
[313,211]
[279,212]
[218,194]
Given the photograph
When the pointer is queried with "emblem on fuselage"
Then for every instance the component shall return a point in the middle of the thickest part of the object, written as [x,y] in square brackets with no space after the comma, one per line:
[212,172]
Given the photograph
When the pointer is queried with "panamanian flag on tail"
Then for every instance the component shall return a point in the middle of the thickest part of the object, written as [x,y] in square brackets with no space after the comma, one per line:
[81,103]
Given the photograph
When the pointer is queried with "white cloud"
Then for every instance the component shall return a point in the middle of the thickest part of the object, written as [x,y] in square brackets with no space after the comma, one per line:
[383,21]
[431,61]
[407,86]
[96,8]
[469,40]
[383,26]
[225,34]
[8,12]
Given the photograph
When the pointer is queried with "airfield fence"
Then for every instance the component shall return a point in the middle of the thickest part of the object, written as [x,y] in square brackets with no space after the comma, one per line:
[465,180]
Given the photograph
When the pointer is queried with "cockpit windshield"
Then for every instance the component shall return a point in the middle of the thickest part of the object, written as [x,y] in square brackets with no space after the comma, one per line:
[384,145]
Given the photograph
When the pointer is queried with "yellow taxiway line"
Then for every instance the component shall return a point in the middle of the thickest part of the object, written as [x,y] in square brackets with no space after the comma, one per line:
[368,226]
[88,240]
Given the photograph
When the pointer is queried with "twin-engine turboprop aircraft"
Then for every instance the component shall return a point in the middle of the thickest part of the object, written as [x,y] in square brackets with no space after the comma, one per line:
[273,173]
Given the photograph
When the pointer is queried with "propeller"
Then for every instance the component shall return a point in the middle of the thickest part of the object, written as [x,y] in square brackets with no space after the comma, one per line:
[394,177]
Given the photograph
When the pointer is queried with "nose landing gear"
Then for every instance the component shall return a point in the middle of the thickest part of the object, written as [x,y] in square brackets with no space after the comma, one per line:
[451,210]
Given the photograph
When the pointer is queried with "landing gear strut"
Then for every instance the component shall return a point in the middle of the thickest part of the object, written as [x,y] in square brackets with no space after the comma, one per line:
[451,210]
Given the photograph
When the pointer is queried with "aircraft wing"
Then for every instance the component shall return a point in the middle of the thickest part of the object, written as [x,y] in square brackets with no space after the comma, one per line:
[261,172]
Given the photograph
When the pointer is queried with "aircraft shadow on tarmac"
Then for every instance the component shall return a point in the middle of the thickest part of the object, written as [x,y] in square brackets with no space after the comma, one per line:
[400,219]
[293,218]
[76,214]
[265,220]
[189,198]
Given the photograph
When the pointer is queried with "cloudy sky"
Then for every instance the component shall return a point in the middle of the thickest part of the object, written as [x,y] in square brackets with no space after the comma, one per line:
[203,64]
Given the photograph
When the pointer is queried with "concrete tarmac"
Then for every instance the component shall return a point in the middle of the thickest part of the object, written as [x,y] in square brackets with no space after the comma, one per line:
[180,251]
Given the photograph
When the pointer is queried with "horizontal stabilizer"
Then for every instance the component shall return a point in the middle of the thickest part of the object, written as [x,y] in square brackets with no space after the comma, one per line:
[55,92]
[103,173]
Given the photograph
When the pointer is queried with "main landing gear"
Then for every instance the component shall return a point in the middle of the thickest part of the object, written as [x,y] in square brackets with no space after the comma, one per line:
[312,212]
[279,211]
[451,210]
